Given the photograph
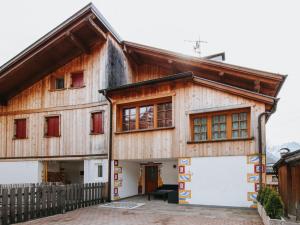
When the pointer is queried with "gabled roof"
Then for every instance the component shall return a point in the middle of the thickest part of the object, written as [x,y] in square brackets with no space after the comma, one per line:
[71,38]
[87,27]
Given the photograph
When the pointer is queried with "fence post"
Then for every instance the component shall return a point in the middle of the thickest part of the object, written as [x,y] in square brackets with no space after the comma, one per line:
[26,201]
[54,209]
[32,202]
[4,206]
[19,204]
[38,201]
[12,205]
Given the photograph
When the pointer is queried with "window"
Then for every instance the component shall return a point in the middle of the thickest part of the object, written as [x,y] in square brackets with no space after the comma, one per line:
[77,80]
[200,129]
[20,129]
[129,119]
[146,116]
[239,125]
[97,123]
[220,125]
[164,114]
[52,126]
[100,170]
[146,119]
[58,82]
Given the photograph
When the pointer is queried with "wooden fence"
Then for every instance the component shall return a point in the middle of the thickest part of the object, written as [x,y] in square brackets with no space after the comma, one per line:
[26,203]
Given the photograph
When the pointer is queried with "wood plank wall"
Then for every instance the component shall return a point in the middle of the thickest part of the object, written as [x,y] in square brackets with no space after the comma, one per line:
[73,105]
[172,143]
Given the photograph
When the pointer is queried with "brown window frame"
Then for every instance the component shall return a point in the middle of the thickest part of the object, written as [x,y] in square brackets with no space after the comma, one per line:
[137,106]
[46,135]
[228,120]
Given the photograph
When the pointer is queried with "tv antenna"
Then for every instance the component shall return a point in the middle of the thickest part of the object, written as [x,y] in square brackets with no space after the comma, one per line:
[197,45]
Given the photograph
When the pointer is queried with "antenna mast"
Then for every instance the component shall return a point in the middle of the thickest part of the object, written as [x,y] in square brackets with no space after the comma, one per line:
[197,46]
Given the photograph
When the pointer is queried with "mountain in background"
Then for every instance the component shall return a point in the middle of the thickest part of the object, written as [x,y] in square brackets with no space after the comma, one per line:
[273,154]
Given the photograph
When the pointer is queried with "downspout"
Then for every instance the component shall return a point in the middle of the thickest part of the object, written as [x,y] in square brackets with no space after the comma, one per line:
[109,144]
[260,147]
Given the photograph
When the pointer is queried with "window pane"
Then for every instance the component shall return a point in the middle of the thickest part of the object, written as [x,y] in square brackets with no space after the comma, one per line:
[164,114]
[243,125]
[239,125]
[235,125]
[235,117]
[100,171]
[59,83]
[128,119]
[146,117]
[222,127]
[235,134]
[197,137]
[197,129]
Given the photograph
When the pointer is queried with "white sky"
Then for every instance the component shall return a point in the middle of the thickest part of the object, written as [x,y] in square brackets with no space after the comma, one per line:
[262,34]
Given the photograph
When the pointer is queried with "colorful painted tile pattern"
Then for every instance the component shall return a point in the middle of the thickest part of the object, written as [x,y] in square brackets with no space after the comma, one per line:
[184,178]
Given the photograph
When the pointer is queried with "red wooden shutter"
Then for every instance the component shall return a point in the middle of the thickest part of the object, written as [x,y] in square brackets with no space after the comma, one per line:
[53,126]
[77,79]
[97,123]
[20,128]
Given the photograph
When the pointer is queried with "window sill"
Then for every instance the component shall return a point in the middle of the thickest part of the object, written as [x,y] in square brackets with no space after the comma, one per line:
[96,133]
[76,87]
[15,138]
[220,140]
[62,89]
[145,130]
[52,136]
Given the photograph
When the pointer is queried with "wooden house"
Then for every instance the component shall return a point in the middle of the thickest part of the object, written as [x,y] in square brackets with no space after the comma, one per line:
[288,172]
[139,116]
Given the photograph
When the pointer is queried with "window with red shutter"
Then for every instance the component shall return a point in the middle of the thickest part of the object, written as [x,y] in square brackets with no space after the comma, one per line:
[20,129]
[97,123]
[77,80]
[52,126]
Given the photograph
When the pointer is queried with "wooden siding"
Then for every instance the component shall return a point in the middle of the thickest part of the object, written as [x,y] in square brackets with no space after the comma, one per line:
[172,143]
[74,105]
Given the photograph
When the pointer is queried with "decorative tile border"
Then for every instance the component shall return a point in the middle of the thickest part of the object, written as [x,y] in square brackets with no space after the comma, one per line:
[184,178]
[184,162]
[183,195]
[118,182]
[252,196]
[252,178]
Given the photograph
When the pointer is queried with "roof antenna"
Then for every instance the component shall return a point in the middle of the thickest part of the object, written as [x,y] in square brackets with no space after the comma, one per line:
[197,46]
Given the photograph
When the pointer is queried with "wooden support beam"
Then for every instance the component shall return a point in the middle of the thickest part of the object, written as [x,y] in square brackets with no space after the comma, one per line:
[257,86]
[95,27]
[78,43]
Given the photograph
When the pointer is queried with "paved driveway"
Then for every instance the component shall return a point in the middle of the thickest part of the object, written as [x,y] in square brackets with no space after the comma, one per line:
[155,212]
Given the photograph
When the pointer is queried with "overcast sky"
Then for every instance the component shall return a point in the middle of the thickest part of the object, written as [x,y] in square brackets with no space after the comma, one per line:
[261,34]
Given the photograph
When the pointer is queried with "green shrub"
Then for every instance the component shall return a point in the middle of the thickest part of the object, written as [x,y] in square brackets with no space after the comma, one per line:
[266,195]
[274,205]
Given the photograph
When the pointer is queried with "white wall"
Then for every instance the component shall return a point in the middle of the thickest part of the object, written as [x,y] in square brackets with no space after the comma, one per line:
[129,176]
[20,172]
[91,170]
[168,173]
[219,181]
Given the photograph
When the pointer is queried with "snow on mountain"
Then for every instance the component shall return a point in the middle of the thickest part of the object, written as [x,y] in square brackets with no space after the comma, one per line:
[273,154]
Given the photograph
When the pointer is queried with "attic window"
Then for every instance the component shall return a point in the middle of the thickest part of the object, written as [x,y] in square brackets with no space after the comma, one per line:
[77,79]
[58,82]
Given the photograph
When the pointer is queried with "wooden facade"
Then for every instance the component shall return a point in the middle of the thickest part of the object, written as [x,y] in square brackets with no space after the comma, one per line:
[174,142]
[109,62]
